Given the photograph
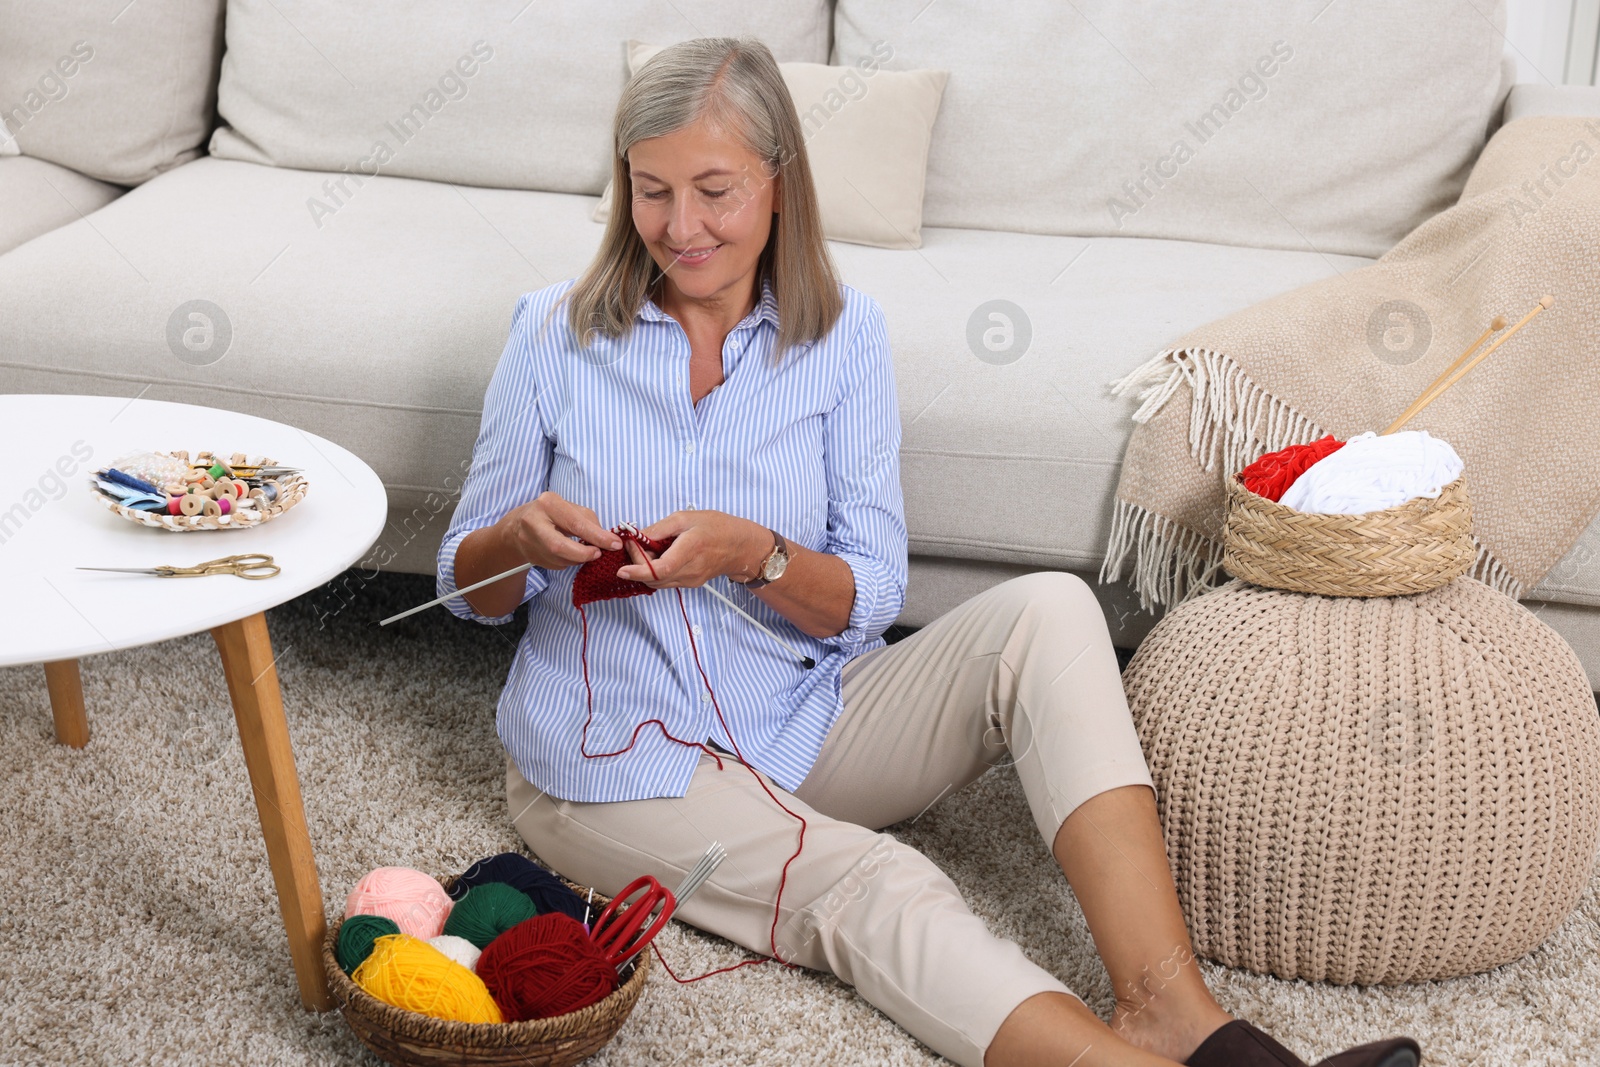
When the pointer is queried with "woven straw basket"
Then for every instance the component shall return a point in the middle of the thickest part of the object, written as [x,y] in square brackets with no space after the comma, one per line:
[410,1039]
[1410,548]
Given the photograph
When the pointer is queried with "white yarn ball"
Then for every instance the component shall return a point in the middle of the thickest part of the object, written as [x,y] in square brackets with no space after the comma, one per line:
[459,949]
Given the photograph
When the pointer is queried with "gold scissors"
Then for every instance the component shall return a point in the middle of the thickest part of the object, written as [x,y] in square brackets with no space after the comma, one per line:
[251,565]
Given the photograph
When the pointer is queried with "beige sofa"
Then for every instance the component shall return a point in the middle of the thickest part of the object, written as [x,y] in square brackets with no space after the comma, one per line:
[1115,174]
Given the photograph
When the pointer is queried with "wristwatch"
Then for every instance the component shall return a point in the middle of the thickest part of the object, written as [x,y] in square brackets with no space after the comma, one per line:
[771,568]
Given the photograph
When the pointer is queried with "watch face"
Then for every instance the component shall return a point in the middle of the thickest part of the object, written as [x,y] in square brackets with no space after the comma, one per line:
[775,566]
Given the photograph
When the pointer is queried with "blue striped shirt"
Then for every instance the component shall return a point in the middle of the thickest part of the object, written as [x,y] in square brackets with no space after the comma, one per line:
[810,448]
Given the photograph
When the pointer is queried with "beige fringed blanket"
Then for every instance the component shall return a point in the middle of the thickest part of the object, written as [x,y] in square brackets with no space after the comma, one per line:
[1349,353]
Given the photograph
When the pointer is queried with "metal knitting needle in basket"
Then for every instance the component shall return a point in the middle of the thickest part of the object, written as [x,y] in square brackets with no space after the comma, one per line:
[625,927]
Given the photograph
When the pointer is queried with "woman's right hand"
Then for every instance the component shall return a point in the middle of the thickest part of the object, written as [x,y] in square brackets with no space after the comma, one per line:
[541,532]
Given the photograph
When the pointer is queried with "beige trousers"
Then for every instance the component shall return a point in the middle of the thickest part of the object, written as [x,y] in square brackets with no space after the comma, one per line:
[1026,670]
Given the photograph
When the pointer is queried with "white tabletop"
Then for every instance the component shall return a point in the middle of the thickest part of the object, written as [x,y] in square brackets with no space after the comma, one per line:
[50,524]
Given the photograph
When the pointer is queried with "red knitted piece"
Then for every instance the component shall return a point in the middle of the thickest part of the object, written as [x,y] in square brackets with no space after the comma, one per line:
[597,579]
[1273,474]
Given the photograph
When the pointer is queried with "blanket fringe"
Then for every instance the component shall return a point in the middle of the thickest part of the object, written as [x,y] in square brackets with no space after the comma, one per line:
[1171,562]
[1233,419]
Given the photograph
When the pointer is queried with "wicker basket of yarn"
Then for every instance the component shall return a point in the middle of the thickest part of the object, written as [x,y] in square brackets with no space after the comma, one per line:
[411,1039]
[1410,548]
[1372,790]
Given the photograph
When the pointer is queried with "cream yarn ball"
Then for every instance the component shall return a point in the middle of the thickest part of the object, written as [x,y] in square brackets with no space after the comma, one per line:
[459,949]
[1369,789]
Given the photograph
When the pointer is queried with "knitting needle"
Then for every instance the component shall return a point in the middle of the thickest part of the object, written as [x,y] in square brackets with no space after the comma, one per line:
[804,659]
[1496,325]
[448,596]
[1544,303]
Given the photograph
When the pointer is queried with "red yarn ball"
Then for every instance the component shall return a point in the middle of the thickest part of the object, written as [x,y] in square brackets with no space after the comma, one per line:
[1273,474]
[545,966]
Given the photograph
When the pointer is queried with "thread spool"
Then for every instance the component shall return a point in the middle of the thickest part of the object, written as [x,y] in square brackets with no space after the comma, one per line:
[224,505]
[545,966]
[192,503]
[411,974]
[175,505]
[356,937]
[547,892]
[210,508]
[270,490]
[487,911]
[416,903]
[224,489]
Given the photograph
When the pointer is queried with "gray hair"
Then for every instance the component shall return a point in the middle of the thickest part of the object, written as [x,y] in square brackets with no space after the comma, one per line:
[734,85]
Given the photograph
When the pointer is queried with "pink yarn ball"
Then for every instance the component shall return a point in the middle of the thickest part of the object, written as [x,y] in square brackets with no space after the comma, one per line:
[417,904]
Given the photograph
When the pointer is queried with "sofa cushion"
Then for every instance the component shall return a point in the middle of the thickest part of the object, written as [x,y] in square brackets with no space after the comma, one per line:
[36,197]
[1330,126]
[514,96]
[380,331]
[115,90]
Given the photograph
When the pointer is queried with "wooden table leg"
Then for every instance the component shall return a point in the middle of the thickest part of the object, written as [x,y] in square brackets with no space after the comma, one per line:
[66,702]
[264,733]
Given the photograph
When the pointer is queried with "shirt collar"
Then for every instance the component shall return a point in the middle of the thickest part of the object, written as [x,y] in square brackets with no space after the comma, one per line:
[766,309]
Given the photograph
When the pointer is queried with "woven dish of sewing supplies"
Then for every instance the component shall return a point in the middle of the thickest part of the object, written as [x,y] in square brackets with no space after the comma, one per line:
[411,1039]
[261,504]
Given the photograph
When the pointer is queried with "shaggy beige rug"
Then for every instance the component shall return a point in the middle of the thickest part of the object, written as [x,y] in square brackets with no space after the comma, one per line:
[138,923]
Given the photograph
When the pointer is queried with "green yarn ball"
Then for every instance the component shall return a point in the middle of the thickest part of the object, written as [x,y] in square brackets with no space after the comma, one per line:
[356,937]
[487,911]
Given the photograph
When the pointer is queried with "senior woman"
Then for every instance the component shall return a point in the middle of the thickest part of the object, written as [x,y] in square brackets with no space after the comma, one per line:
[710,373]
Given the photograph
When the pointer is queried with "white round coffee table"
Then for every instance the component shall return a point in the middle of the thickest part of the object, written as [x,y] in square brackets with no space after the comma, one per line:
[53,614]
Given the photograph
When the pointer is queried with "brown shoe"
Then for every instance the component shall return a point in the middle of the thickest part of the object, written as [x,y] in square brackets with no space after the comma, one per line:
[1238,1044]
[1395,1052]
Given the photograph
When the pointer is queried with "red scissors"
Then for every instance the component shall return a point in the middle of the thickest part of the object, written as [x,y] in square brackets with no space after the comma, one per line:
[625,927]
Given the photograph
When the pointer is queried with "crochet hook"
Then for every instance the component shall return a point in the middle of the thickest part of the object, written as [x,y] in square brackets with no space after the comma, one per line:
[1436,390]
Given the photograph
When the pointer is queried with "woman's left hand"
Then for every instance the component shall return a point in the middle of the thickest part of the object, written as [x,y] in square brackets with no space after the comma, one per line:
[709,543]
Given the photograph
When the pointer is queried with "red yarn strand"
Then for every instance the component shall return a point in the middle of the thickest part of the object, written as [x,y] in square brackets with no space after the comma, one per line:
[596,588]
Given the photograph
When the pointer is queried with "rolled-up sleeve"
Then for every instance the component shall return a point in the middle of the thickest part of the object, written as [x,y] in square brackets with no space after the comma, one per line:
[866,507]
[510,461]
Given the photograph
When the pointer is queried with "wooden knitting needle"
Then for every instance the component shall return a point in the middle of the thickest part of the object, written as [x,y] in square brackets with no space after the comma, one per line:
[1496,325]
[1437,390]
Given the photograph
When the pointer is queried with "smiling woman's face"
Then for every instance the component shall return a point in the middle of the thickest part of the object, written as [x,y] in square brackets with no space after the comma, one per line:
[703,206]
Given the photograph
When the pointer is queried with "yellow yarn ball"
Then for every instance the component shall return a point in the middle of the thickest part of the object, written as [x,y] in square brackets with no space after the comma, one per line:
[410,973]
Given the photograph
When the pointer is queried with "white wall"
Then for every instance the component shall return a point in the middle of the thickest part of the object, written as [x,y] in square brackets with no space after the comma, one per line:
[1553,41]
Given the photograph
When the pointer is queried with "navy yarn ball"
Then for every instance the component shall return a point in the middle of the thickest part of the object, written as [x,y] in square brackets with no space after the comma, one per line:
[547,892]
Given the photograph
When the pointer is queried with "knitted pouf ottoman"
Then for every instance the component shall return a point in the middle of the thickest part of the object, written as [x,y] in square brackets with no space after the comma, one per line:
[1369,790]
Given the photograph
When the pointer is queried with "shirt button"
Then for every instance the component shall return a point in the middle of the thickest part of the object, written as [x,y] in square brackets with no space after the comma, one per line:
[695,629]
[705,698]
[688,446]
